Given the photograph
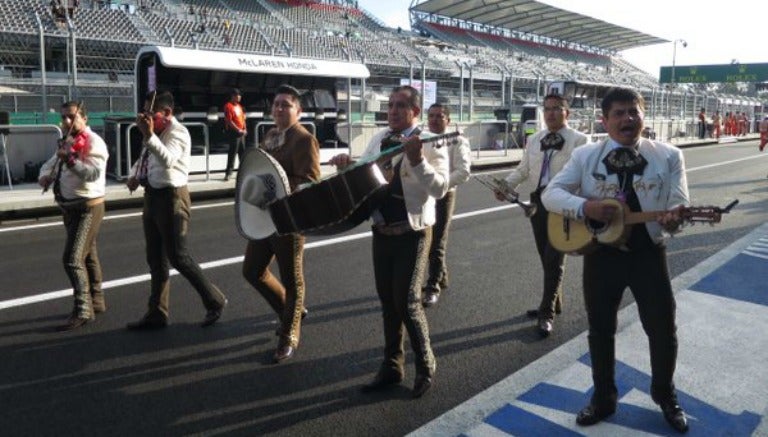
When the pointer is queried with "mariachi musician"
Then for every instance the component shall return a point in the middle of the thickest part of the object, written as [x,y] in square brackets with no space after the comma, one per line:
[546,153]
[77,172]
[298,153]
[646,176]
[163,170]
[401,238]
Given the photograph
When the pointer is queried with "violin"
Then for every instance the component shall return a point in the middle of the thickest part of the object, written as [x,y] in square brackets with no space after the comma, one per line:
[70,147]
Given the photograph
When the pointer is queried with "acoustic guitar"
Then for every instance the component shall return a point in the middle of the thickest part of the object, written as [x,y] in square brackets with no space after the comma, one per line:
[579,237]
[342,201]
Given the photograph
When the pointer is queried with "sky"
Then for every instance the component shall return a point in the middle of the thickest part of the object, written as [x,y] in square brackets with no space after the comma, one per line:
[714,34]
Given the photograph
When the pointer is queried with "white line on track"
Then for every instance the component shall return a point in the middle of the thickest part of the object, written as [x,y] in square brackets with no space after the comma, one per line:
[213,264]
[109,217]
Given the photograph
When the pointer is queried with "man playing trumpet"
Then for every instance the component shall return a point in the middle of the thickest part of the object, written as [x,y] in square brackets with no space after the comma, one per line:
[545,154]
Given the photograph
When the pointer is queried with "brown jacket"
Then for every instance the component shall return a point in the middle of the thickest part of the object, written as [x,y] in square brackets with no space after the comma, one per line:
[298,152]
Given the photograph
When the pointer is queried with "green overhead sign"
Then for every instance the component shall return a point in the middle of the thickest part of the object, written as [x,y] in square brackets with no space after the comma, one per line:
[715,73]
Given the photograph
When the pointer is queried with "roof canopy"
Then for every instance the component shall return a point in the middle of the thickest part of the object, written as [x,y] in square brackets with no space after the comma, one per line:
[537,18]
[253,63]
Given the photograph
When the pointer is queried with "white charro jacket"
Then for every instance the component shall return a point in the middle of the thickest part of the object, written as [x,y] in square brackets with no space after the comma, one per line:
[88,177]
[169,156]
[460,160]
[525,177]
[422,184]
[662,186]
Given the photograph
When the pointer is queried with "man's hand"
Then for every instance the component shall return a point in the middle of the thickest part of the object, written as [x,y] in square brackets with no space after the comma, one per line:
[499,195]
[602,212]
[146,124]
[413,147]
[63,153]
[671,220]
[44,182]
[341,161]
[132,183]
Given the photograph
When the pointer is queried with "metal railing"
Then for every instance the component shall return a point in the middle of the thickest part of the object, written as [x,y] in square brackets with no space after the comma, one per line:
[206,149]
[25,153]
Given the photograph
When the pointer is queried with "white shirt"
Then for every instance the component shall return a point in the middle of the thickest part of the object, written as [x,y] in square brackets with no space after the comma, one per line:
[88,177]
[169,157]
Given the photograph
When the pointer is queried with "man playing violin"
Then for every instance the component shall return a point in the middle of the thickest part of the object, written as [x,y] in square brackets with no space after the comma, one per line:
[298,152]
[545,154]
[77,172]
[163,171]
[647,176]
[402,235]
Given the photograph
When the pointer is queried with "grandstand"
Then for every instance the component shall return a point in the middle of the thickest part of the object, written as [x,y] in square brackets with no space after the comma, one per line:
[491,54]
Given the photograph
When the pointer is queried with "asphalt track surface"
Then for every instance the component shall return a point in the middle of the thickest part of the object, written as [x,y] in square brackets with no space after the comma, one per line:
[186,380]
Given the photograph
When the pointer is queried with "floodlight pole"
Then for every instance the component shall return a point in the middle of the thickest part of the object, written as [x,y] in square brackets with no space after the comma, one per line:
[672,80]
[471,91]
[73,65]
[674,55]
[511,89]
[423,84]
[461,90]
[363,109]
[43,75]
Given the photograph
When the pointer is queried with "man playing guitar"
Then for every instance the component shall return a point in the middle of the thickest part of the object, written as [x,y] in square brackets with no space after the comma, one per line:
[646,175]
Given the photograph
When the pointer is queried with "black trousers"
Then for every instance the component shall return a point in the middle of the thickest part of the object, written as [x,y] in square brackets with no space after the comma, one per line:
[166,218]
[236,146]
[398,263]
[552,262]
[607,272]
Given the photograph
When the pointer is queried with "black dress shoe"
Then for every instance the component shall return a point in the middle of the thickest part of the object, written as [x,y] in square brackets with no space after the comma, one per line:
[213,315]
[421,385]
[147,323]
[675,416]
[544,327]
[382,381]
[591,414]
[74,323]
[430,299]
[283,353]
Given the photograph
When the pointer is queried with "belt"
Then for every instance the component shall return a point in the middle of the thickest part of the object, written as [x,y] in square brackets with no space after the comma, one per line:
[151,189]
[72,203]
[398,228]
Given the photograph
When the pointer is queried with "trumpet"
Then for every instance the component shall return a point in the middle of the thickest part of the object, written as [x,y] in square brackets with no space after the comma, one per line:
[501,186]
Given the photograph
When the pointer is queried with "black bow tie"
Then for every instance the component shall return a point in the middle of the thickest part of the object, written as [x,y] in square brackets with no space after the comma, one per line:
[552,140]
[625,160]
